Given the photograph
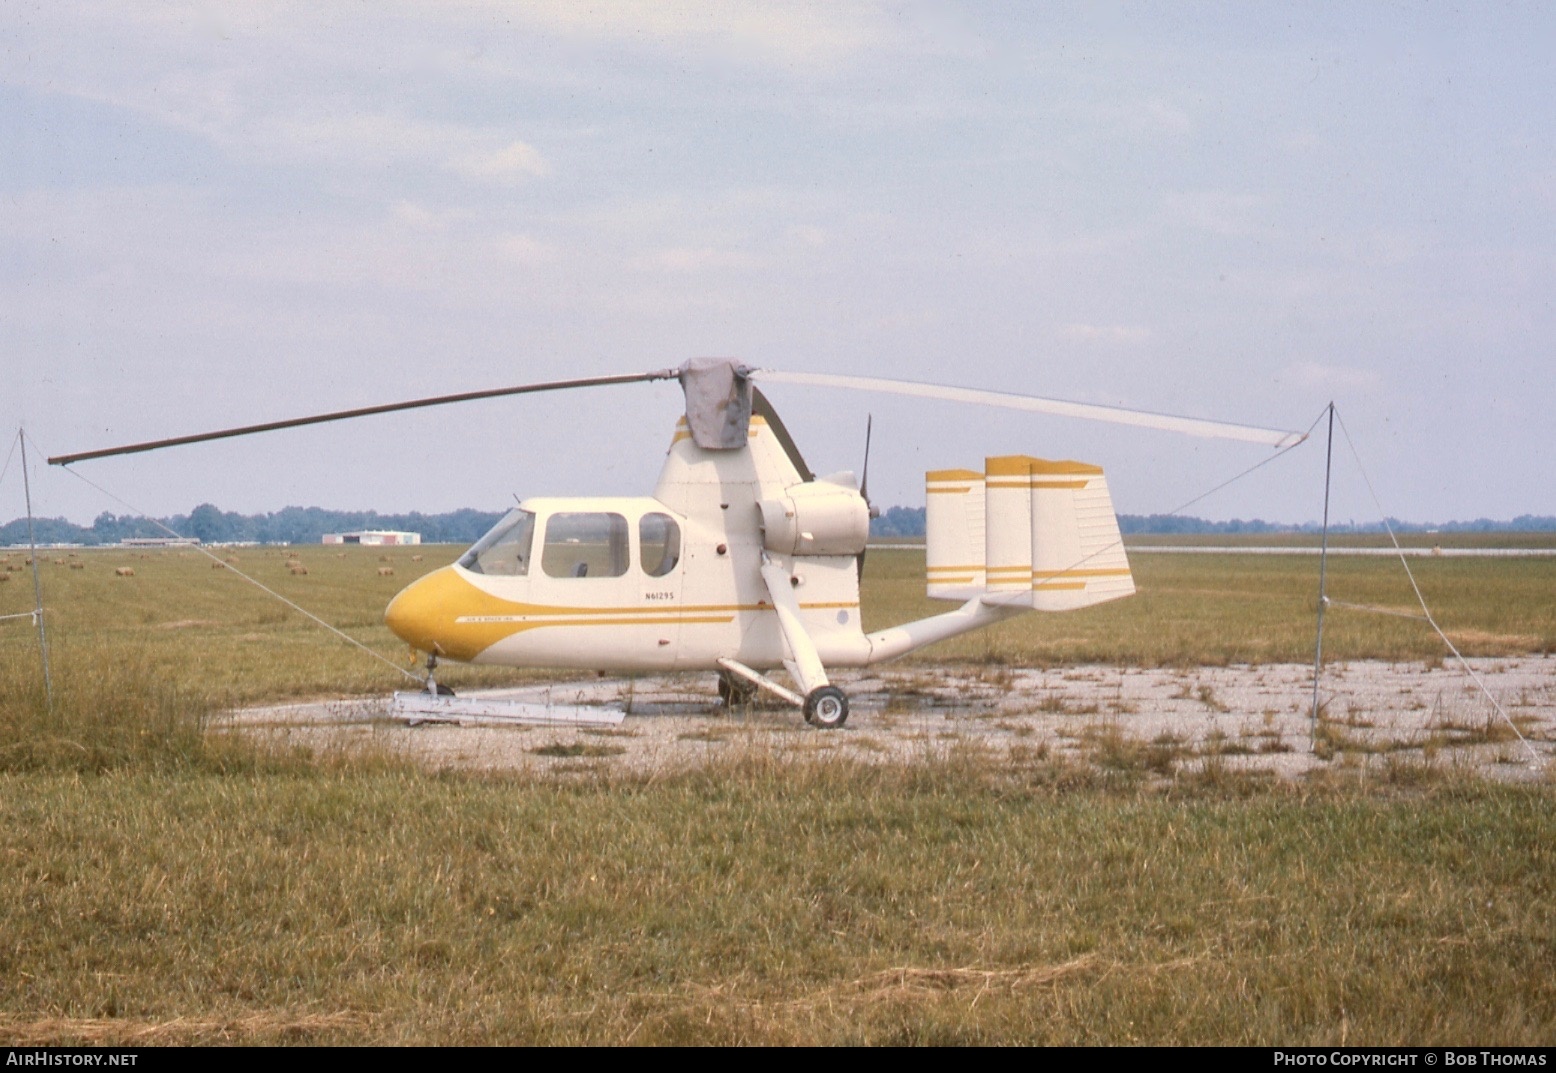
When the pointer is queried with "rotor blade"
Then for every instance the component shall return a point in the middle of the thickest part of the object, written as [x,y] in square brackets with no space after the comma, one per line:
[1193,426]
[367,411]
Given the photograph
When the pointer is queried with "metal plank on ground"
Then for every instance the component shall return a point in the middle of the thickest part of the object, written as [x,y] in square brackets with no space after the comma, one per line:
[425,707]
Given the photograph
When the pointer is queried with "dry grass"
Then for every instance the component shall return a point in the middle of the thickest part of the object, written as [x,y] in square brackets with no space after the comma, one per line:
[259,1028]
[1197,610]
[164,885]
[763,902]
[215,635]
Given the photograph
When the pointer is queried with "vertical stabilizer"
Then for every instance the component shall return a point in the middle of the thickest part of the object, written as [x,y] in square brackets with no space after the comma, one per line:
[953,533]
[1007,537]
[1027,532]
[1077,553]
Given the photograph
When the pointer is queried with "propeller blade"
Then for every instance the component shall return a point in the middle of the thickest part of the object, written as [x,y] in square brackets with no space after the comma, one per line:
[864,478]
[864,492]
[367,411]
[1192,426]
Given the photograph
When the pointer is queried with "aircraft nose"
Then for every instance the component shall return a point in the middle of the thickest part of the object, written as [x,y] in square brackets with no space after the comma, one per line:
[446,615]
[419,613]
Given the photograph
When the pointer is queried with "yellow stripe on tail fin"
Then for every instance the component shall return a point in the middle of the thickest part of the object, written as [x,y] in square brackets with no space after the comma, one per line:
[1027,532]
[953,533]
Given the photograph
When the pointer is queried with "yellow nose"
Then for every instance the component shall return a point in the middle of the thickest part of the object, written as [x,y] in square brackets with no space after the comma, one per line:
[434,615]
[423,612]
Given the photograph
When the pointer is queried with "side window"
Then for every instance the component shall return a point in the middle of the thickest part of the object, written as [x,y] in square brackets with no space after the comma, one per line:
[585,544]
[659,543]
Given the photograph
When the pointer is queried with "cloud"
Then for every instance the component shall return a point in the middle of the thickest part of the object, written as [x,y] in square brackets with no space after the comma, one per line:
[815,237]
[1143,117]
[1218,212]
[698,259]
[522,249]
[804,34]
[1115,334]
[514,161]
[1309,374]
[383,138]
[419,217]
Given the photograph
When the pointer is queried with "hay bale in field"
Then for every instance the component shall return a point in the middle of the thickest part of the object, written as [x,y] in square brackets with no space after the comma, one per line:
[218,566]
[386,571]
[78,566]
[417,558]
[298,568]
[124,571]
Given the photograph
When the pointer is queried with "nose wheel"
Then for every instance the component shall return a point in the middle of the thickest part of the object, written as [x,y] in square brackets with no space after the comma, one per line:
[436,688]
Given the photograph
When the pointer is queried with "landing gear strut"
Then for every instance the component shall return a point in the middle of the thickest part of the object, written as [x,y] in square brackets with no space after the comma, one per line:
[825,706]
[735,691]
[435,687]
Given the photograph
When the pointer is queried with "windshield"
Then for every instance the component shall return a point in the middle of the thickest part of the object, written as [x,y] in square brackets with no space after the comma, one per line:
[504,550]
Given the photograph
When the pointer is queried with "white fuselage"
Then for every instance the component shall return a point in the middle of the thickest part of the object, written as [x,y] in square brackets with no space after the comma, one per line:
[577,602]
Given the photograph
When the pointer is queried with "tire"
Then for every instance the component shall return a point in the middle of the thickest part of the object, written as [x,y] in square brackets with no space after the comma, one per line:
[826,708]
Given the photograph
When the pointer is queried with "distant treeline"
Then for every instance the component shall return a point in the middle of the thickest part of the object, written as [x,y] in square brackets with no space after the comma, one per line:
[291,525]
[1131,524]
[307,525]
[909,522]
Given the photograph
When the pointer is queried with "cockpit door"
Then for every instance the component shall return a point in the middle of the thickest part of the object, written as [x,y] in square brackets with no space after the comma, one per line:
[660,570]
[607,588]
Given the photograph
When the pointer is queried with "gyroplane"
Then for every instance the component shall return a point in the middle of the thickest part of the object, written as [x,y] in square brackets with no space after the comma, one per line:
[742,561]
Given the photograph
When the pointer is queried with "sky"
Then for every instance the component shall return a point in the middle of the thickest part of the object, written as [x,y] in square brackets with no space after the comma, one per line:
[219,214]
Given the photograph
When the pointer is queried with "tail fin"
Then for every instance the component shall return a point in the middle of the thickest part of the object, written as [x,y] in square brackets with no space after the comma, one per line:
[953,533]
[1028,531]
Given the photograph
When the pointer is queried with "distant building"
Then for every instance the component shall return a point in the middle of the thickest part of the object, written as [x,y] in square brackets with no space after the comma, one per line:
[159,542]
[373,536]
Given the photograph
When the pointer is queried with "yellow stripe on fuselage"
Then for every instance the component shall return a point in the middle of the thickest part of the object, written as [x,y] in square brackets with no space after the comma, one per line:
[447,613]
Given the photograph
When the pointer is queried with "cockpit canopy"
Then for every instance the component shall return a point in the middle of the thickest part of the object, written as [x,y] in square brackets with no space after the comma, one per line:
[578,539]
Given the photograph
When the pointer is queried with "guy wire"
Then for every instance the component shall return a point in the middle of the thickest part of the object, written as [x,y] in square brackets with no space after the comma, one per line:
[257,584]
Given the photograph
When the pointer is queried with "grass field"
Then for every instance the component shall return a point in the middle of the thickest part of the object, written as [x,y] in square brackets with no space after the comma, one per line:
[745,903]
[212,633]
[168,885]
[1348,540]
[1205,609]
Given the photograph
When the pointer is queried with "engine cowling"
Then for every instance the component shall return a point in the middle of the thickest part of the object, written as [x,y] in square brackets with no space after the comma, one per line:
[816,518]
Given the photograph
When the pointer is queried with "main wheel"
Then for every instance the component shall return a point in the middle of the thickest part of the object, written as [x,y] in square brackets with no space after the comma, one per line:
[826,707]
[735,691]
